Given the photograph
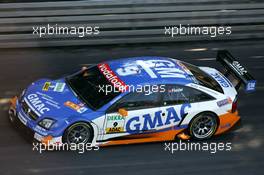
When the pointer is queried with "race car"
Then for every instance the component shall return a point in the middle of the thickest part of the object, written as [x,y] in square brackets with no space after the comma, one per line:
[133,100]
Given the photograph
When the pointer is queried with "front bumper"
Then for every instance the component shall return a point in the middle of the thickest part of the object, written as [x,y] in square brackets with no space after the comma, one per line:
[24,124]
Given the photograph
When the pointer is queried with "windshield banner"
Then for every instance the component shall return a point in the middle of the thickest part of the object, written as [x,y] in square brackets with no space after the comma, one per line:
[111,77]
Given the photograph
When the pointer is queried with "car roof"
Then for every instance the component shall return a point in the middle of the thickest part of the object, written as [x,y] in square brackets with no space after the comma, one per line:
[151,70]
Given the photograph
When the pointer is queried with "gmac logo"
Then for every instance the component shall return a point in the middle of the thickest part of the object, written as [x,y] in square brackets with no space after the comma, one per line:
[220,80]
[134,125]
[37,103]
[239,68]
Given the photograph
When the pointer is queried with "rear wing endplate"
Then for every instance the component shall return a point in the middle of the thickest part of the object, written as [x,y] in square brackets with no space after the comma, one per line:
[239,73]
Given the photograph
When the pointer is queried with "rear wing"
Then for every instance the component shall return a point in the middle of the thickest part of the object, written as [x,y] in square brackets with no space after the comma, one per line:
[235,72]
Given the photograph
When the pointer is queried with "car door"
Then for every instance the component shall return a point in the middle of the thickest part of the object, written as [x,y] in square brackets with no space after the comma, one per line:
[131,114]
[176,104]
[181,103]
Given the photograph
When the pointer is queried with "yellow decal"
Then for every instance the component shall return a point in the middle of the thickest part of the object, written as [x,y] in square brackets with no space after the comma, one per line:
[46,86]
[114,129]
[72,105]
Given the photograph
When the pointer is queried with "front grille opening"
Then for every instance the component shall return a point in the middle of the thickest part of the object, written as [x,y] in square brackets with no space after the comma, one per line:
[28,111]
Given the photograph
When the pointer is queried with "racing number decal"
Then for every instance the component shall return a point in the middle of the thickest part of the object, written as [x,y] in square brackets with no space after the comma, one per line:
[115,123]
[155,69]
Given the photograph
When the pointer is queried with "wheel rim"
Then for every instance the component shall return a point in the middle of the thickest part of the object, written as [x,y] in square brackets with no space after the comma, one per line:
[78,134]
[204,126]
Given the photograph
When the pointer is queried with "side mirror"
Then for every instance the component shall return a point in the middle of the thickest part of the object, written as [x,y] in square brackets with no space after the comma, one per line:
[123,112]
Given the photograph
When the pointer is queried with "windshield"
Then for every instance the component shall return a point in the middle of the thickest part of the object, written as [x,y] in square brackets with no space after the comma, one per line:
[89,85]
[203,78]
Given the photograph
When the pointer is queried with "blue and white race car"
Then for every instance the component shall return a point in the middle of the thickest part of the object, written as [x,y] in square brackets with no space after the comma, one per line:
[133,100]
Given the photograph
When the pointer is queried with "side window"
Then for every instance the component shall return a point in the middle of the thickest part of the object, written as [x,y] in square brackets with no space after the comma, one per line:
[136,100]
[176,94]
[199,96]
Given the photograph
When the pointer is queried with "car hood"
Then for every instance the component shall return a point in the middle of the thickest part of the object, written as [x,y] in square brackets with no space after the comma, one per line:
[53,99]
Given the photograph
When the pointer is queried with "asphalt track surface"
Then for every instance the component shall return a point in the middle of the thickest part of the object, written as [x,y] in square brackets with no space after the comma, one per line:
[18,68]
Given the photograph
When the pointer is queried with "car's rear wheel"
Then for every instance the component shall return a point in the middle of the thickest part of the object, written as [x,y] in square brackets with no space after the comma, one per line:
[77,133]
[203,126]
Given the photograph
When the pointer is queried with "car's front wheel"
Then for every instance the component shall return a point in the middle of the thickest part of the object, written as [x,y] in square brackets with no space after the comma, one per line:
[77,133]
[203,126]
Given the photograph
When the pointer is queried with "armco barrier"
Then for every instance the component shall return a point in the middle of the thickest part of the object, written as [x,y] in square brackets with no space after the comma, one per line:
[132,21]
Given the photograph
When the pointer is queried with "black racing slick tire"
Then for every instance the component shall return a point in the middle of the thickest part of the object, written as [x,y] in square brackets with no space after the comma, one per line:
[203,126]
[78,133]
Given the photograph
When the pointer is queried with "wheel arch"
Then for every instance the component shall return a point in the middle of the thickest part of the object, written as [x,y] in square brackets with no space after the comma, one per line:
[204,112]
[210,112]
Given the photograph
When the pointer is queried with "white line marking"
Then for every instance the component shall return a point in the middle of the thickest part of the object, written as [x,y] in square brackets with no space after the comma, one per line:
[196,49]
[204,59]
[88,64]
[257,56]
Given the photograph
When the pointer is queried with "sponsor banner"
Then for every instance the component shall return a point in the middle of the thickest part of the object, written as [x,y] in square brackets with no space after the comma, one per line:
[111,77]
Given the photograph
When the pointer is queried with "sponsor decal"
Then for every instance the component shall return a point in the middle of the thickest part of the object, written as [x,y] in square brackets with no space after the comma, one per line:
[38,136]
[251,85]
[175,90]
[40,130]
[115,123]
[111,77]
[135,125]
[155,69]
[56,87]
[59,87]
[224,102]
[36,104]
[80,108]
[46,86]
[220,80]
[49,100]
[239,68]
